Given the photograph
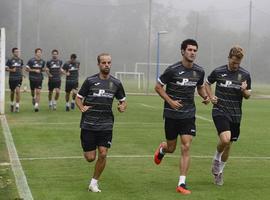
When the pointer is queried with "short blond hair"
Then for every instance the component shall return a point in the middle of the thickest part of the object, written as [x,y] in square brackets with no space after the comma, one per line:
[236,51]
[102,54]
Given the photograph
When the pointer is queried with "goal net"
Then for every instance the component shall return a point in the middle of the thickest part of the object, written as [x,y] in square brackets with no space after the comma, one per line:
[134,81]
[2,70]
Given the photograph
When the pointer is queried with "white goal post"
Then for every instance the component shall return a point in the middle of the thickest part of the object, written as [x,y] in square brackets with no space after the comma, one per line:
[2,70]
[139,75]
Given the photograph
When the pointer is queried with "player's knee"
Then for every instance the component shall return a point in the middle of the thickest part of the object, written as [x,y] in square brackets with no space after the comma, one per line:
[170,149]
[185,147]
[102,155]
[90,158]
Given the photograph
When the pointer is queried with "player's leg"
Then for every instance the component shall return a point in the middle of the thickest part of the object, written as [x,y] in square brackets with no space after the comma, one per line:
[50,94]
[12,93]
[56,97]
[67,96]
[38,93]
[168,146]
[18,97]
[184,163]
[74,94]
[32,88]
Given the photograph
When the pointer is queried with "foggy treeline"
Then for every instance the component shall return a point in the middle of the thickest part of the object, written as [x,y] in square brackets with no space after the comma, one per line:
[120,27]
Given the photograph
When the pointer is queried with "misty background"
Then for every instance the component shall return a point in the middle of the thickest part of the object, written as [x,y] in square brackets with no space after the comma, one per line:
[121,27]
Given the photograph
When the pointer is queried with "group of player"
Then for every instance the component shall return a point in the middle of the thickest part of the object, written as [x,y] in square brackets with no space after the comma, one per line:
[233,83]
[35,68]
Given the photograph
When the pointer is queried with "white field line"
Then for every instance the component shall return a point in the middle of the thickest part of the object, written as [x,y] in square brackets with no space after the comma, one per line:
[142,156]
[154,107]
[5,164]
[21,182]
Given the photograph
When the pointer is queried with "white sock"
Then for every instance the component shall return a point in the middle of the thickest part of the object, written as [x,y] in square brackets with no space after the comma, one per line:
[182,180]
[93,181]
[218,156]
[50,103]
[222,165]
[12,103]
[17,105]
[161,151]
[72,101]
[67,104]
[54,102]
[36,105]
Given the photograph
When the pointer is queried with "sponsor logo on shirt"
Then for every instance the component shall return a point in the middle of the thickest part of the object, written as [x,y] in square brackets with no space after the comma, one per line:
[182,72]
[229,84]
[186,82]
[103,93]
[223,75]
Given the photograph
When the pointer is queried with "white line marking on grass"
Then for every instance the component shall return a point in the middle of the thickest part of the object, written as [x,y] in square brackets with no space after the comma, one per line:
[21,182]
[4,164]
[141,156]
[148,106]
[204,118]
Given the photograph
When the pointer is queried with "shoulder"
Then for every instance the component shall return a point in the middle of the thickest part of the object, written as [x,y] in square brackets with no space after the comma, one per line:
[198,68]
[92,79]
[243,71]
[115,80]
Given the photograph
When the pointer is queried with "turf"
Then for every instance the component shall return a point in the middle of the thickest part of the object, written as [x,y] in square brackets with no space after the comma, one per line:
[49,134]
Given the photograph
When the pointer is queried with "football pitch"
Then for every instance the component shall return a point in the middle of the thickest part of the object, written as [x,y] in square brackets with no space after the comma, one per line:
[48,146]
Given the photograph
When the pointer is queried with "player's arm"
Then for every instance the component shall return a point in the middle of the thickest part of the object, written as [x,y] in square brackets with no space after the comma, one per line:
[122,106]
[202,92]
[47,70]
[245,92]
[175,104]
[209,92]
[79,103]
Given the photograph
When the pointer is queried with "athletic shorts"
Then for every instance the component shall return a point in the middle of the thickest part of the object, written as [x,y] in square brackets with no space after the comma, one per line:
[71,85]
[90,140]
[222,124]
[35,84]
[54,84]
[175,127]
[14,83]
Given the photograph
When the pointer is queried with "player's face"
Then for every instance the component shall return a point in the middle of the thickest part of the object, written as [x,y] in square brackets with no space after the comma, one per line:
[190,53]
[16,53]
[234,63]
[38,53]
[54,55]
[105,64]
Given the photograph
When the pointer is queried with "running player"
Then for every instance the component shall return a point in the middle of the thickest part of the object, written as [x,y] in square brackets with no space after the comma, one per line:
[181,80]
[35,67]
[71,69]
[54,71]
[14,66]
[232,84]
[95,100]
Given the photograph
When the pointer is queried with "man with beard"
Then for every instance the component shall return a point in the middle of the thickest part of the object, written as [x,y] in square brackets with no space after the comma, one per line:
[95,99]
[54,71]
[181,80]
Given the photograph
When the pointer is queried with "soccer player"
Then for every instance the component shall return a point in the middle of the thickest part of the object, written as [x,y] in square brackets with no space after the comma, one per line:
[232,84]
[180,79]
[95,100]
[71,69]
[35,67]
[54,71]
[14,66]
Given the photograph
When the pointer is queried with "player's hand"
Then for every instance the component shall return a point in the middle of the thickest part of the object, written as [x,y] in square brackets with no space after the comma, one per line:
[37,70]
[68,73]
[176,104]
[214,99]
[13,69]
[243,86]
[206,100]
[85,108]
[121,107]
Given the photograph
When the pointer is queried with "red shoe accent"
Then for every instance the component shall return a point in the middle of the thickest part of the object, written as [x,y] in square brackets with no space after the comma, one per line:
[156,159]
[183,190]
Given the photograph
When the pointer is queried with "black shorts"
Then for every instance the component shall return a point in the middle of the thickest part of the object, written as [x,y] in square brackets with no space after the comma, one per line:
[14,83]
[175,127]
[54,84]
[222,124]
[71,85]
[35,84]
[90,140]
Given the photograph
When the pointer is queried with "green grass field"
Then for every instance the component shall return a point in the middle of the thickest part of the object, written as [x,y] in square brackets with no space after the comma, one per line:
[48,145]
